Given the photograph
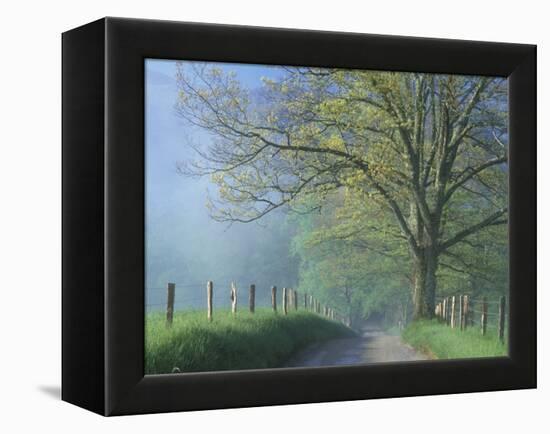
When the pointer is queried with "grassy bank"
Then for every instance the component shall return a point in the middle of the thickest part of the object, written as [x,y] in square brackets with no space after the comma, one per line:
[249,341]
[443,342]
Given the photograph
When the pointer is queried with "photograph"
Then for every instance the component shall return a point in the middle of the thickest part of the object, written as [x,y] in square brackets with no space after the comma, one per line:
[300,216]
[236,217]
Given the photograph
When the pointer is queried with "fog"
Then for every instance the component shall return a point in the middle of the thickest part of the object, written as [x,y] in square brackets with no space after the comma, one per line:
[183,244]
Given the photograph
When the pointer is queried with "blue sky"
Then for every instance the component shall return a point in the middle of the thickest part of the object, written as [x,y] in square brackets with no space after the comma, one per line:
[166,133]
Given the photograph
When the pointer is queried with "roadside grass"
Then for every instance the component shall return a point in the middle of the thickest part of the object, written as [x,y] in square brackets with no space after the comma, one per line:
[442,342]
[248,341]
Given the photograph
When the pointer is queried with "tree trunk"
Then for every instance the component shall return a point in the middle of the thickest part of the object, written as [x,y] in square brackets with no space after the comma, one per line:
[425,266]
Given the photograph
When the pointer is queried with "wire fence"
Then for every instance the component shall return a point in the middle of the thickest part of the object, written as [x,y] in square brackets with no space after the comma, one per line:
[193,296]
[463,311]
[233,296]
[187,297]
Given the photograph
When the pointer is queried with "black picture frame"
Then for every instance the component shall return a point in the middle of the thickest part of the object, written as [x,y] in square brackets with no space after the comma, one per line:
[103,216]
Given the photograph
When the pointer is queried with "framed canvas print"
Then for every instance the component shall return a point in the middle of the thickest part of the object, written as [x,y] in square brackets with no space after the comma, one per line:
[264,216]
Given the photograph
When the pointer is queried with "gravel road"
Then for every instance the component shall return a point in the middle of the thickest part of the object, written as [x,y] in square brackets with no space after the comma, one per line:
[373,346]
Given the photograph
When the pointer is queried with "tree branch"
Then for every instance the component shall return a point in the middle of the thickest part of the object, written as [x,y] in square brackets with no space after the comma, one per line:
[469,173]
[491,220]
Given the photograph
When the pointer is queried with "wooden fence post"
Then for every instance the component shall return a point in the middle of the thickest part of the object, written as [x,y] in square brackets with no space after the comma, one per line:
[453,312]
[466,311]
[461,311]
[484,316]
[209,297]
[501,317]
[252,298]
[233,298]
[170,304]
[274,298]
[284,300]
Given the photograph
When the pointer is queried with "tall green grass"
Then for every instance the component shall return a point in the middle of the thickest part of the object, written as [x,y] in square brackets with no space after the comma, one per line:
[248,341]
[443,342]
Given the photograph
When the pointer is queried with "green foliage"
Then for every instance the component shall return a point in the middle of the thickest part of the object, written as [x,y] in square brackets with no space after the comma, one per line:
[248,341]
[349,261]
[443,342]
[401,177]
[477,267]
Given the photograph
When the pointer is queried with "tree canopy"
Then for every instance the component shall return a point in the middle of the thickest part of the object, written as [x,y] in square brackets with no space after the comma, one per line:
[387,173]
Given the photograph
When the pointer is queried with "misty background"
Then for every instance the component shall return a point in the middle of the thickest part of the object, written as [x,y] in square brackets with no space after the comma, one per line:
[183,244]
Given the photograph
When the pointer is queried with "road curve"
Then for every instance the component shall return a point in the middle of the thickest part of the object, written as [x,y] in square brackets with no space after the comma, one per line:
[373,346]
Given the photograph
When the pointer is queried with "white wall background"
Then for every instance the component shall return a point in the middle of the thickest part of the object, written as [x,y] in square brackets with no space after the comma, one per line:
[30,187]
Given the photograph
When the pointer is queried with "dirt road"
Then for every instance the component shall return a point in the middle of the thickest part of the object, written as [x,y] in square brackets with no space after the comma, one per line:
[373,346]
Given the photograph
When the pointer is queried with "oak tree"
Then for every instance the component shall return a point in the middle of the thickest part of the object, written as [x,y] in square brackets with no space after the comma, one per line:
[425,152]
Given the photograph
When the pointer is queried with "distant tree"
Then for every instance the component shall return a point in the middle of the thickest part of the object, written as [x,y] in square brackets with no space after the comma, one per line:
[425,152]
[352,259]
